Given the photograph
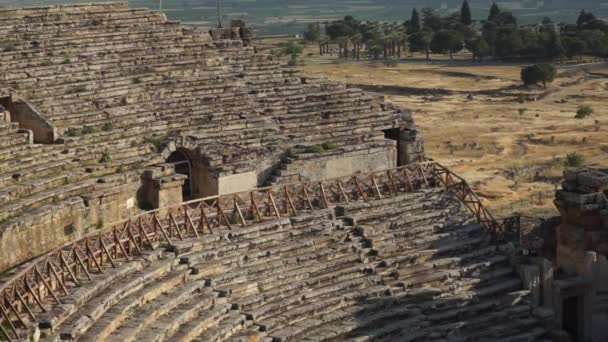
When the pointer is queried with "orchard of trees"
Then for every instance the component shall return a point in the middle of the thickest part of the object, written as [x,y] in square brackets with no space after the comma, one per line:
[499,36]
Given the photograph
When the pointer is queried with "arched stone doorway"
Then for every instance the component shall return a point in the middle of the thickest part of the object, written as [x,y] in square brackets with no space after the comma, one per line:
[183,165]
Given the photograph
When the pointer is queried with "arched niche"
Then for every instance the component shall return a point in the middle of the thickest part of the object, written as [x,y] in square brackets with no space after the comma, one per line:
[182,163]
[184,153]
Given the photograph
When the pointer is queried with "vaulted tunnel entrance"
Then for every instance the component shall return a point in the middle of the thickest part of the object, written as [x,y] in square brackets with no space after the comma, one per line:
[183,165]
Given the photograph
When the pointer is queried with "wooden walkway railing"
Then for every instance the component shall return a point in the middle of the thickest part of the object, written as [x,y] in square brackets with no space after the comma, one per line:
[52,275]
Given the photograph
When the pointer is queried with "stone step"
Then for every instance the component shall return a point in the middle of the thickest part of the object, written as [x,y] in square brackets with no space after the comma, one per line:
[205,320]
[167,325]
[225,328]
[83,316]
[114,316]
[141,319]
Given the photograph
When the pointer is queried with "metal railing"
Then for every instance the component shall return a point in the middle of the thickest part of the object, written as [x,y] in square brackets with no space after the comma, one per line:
[50,275]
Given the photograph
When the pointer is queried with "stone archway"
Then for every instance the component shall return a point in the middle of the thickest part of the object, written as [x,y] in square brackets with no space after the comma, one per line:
[202,181]
[182,163]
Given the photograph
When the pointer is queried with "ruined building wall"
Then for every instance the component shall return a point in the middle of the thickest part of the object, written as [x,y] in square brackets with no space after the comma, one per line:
[582,243]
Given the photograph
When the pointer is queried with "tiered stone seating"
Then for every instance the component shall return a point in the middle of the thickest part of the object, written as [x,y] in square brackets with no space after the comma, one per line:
[412,267]
[109,77]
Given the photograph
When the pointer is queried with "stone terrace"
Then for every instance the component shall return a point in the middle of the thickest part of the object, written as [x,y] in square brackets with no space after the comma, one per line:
[110,77]
[413,267]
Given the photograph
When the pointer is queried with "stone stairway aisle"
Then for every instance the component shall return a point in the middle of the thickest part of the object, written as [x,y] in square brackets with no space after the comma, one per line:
[408,268]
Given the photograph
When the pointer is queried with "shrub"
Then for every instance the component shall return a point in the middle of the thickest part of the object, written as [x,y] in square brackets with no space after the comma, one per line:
[156,141]
[522,98]
[88,130]
[574,159]
[314,149]
[107,127]
[583,112]
[105,156]
[137,80]
[292,62]
[234,218]
[329,146]
[522,111]
[66,61]
[291,153]
[99,224]
[73,132]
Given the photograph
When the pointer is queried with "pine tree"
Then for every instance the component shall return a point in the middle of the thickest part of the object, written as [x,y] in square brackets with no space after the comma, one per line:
[555,48]
[415,21]
[465,13]
[494,11]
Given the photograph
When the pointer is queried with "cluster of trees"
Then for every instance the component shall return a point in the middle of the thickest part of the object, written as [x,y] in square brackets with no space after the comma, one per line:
[499,36]
[353,36]
[502,38]
[429,32]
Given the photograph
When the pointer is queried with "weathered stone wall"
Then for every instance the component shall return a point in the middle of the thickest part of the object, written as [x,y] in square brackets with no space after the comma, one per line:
[161,187]
[313,167]
[30,118]
[237,183]
[41,231]
[53,225]
[582,245]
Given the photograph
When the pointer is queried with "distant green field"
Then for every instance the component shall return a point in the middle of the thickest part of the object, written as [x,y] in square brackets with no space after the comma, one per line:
[291,16]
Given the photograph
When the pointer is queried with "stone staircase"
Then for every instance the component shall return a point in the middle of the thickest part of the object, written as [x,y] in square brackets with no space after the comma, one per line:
[412,267]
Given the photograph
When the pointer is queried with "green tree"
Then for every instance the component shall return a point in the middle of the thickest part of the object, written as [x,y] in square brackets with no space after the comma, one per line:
[465,13]
[421,42]
[414,24]
[554,48]
[342,28]
[489,33]
[447,41]
[479,48]
[313,32]
[538,73]
[584,18]
[430,20]
[292,48]
[573,46]
[505,19]
[494,11]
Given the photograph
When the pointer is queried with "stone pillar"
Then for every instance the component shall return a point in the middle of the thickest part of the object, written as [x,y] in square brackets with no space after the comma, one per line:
[546,282]
[161,189]
[591,273]
[530,275]
[410,146]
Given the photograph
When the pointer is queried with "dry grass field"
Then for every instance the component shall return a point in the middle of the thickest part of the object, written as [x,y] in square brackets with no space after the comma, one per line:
[511,151]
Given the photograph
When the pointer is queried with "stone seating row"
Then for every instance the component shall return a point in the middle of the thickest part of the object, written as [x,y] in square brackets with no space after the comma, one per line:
[70,19]
[125,79]
[43,11]
[26,187]
[312,277]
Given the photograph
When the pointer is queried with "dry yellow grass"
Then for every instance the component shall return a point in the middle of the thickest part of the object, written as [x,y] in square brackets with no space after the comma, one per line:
[512,158]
